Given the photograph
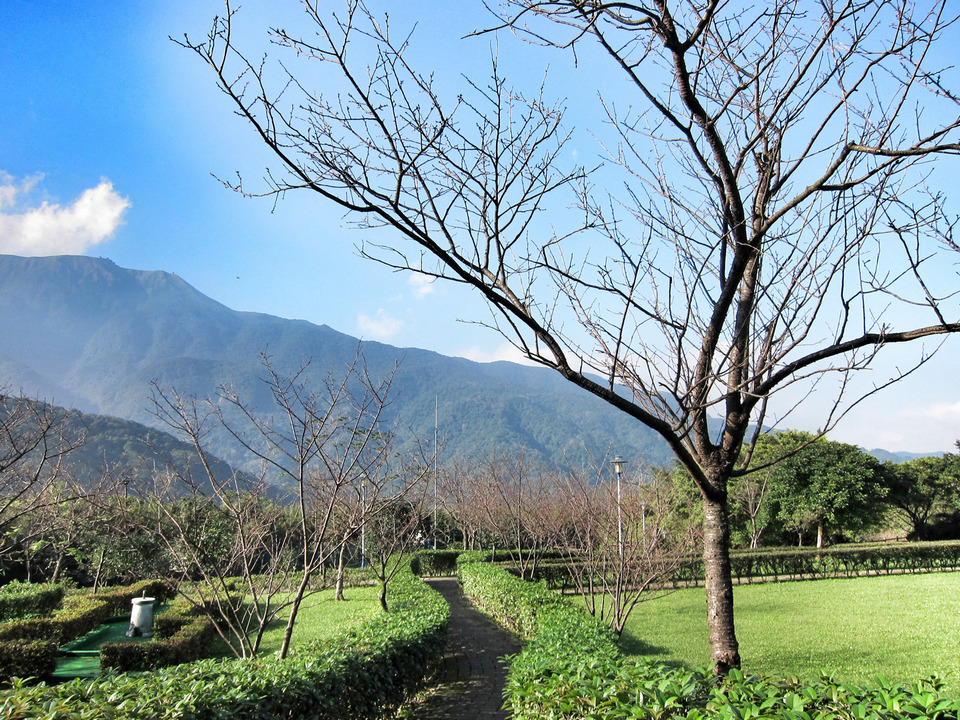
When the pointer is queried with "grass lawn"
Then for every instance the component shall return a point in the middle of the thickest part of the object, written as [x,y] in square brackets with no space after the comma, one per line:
[320,617]
[900,627]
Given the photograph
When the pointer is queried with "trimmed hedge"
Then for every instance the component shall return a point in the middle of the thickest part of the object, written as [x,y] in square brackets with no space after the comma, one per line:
[571,669]
[79,616]
[28,659]
[181,634]
[364,673]
[836,561]
[435,563]
[22,599]
[25,644]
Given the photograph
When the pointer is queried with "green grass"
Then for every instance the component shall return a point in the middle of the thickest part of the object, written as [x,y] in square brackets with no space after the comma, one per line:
[901,627]
[320,617]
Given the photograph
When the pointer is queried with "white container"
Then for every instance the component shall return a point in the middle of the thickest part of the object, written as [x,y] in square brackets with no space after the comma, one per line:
[141,617]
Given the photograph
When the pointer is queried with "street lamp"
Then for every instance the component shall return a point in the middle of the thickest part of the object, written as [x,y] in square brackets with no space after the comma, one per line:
[618,463]
[363,520]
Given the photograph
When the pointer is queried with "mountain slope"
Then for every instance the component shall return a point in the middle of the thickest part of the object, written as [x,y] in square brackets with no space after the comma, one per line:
[85,333]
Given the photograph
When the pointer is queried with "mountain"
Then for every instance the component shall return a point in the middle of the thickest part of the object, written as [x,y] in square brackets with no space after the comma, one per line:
[118,450]
[84,333]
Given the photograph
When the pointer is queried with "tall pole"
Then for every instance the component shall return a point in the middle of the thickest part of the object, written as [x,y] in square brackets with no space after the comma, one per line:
[363,520]
[617,463]
[436,452]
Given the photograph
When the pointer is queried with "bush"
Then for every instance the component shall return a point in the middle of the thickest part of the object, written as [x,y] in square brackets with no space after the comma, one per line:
[20,599]
[181,635]
[27,658]
[364,673]
[571,669]
[435,563]
[79,615]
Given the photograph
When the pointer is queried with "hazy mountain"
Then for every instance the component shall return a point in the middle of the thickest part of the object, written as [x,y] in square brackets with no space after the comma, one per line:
[896,457]
[84,333]
[113,450]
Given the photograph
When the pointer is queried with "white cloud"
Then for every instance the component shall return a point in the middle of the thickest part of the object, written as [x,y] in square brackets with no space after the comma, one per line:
[504,351]
[422,284]
[902,425]
[381,327]
[54,229]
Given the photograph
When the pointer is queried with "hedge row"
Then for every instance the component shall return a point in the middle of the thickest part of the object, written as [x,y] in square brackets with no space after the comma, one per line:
[777,564]
[571,669]
[22,599]
[364,673]
[81,614]
[28,647]
[181,634]
[836,561]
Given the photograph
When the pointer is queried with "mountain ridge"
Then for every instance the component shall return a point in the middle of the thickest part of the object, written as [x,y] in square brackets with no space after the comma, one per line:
[86,333]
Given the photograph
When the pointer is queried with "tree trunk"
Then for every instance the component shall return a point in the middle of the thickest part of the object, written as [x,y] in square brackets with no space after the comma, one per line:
[820,536]
[341,563]
[294,610]
[725,651]
[383,595]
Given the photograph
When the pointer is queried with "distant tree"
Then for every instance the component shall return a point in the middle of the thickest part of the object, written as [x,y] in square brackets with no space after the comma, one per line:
[762,214]
[921,488]
[820,485]
[514,497]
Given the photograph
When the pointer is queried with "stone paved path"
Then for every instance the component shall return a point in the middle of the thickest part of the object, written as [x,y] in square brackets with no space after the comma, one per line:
[472,675]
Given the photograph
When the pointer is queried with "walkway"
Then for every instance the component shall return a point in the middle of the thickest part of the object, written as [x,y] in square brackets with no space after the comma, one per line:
[472,676]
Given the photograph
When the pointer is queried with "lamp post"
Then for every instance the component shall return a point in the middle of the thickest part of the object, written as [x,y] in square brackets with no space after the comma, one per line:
[618,463]
[363,520]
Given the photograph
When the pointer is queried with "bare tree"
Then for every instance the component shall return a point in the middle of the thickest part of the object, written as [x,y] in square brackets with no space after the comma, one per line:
[324,445]
[623,548]
[513,496]
[775,212]
[35,440]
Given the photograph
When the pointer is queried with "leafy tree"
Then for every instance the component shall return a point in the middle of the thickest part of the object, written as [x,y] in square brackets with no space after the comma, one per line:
[774,210]
[921,488]
[819,485]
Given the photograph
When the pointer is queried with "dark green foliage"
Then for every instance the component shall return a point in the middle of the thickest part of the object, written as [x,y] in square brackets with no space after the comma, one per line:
[365,673]
[571,669]
[28,659]
[181,634]
[435,563]
[79,616]
[191,641]
[837,561]
[119,599]
[20,599]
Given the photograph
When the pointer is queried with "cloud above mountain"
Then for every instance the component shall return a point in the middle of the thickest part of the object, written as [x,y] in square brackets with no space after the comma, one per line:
[50,228]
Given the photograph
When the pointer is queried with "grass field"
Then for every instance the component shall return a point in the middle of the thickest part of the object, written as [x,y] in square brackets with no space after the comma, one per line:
[320,617]
[901,627]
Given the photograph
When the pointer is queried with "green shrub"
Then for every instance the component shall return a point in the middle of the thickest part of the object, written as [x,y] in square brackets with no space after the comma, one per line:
[79,615]
[364,673]
[571,669]
[181,634]
[837,561]
[28,659]
[435,563]
[21,599]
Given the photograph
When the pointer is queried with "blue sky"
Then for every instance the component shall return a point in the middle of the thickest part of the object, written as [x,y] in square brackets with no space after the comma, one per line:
[111,133]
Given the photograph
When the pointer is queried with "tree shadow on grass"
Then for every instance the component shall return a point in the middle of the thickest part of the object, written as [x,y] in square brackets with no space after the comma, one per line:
[631,645]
